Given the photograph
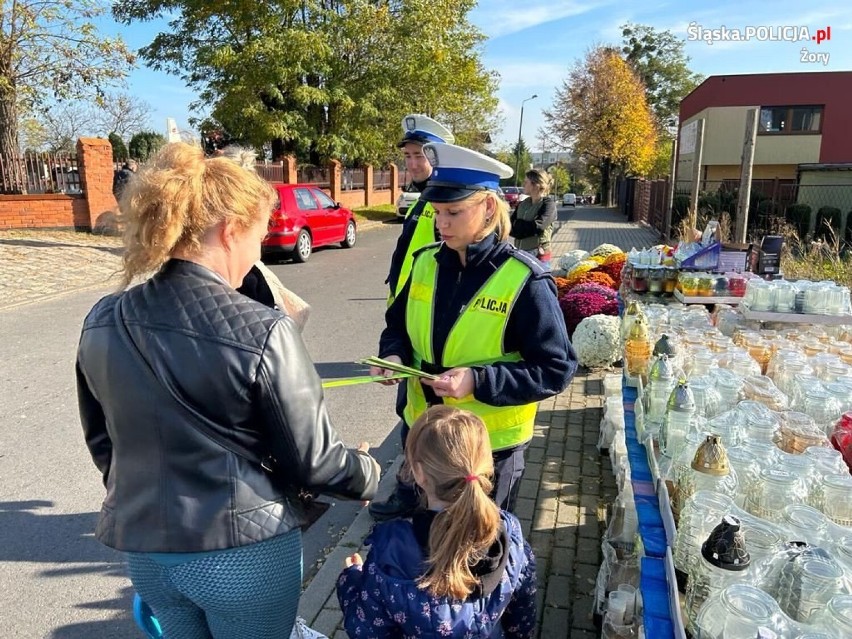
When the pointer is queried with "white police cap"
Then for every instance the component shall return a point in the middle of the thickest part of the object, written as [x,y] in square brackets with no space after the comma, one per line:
[458,172]
[422,129]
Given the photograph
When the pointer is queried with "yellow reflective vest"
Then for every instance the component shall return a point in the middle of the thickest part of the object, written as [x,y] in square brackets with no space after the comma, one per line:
[424,235]
[475,339]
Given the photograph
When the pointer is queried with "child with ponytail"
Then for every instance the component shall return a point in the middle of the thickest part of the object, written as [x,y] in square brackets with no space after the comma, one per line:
[460,568]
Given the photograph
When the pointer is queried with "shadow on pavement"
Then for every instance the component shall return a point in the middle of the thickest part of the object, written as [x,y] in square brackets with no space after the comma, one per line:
[67,538]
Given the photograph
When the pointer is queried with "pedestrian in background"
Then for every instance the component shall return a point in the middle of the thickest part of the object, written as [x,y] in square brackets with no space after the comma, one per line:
[459,569]
[480,315]
[532,221]
[203,411]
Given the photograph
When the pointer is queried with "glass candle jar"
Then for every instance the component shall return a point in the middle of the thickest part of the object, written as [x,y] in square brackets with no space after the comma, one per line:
[807,585]
[740,611]
[724,560]
[640,279]
[706,285]
[737,285]
[784,299]
[688,283]
[836,617]
[760,295]
[798,432]
[670,279]
[747,467]
[656,277]
[700,513]
[773,490]
[837,499]
[805,523]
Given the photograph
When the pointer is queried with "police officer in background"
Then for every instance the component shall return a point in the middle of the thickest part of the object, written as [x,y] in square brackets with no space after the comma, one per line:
[481,315]
[418,229]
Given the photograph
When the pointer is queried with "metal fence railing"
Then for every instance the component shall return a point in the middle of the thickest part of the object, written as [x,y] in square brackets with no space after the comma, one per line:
[313,175]
[270,172]
[808,208]
[37,173]
[352,179]
[382,180]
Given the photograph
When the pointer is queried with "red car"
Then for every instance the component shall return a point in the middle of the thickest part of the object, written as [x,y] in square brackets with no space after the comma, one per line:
[306,217]
[514,195]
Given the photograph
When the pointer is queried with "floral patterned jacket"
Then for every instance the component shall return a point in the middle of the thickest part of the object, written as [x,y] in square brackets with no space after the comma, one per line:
[381,599]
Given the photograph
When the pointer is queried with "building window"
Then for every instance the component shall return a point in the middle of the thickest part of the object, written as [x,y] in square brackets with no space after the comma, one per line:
[790,119]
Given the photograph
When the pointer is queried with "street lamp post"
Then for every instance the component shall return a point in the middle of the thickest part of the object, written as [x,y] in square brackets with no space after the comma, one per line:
[520,130]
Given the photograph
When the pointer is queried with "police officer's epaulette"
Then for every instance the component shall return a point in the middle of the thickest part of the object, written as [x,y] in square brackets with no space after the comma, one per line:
[425,248]
[534,265]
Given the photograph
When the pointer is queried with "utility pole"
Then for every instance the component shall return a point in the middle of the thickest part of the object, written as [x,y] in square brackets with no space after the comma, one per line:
[520,131]
[745,174]
[696,167]
[667,226]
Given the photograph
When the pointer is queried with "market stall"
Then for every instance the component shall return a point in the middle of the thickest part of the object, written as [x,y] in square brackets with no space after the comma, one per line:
[730,435]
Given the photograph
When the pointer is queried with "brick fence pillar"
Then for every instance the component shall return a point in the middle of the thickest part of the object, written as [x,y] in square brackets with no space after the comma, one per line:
[334,179]
[368,185]
[394,182]
[94,156]
[288,167]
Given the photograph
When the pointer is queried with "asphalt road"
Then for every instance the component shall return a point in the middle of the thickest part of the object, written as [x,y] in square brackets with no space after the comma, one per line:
[55,579]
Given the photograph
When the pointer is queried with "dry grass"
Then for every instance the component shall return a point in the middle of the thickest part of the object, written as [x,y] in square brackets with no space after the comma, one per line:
[822,260]
[693,224]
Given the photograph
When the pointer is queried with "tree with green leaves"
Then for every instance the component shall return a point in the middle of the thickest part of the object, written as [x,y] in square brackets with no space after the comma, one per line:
[119,150]
[144,144]
[601,108]
[324,79]
[561,180]
[51,49]
[659,61]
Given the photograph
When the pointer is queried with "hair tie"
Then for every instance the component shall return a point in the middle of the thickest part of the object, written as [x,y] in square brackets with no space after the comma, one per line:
[470,478]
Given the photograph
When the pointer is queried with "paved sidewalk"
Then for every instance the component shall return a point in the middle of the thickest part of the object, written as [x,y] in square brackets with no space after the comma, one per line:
[567,485]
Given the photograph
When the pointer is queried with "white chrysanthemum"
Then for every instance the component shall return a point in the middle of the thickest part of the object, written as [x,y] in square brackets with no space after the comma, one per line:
[605,250]
[596,341]
[569,259]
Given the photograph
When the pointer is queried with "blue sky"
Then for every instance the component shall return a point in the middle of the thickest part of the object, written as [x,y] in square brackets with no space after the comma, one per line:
[533,44]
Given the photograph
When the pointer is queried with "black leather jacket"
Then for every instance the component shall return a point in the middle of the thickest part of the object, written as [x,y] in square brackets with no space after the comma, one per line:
[170,487]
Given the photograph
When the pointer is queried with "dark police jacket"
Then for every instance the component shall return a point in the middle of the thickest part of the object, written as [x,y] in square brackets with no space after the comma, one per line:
[535,329]
[243,366]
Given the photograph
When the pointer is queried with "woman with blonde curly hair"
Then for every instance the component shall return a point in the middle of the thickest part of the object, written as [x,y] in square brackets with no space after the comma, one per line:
[480,316]
[461,568]
[203,411]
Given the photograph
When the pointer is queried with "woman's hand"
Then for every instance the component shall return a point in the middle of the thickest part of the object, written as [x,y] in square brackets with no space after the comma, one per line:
[455,383]
[364,447]
[353,560]
[384,372]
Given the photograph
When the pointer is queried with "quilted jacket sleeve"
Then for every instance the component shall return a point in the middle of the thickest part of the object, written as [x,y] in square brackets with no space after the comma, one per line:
[363,616]
[307,448]
[518,620]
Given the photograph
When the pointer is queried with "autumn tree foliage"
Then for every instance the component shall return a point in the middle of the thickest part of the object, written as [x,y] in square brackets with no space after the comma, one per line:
[602,108]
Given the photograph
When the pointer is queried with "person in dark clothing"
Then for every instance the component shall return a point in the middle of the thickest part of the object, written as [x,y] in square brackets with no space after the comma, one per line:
[480,314]
[460,568]
[122,177]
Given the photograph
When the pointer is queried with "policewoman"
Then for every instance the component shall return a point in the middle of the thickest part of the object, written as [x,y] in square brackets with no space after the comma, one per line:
[418,229]
[480,314]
